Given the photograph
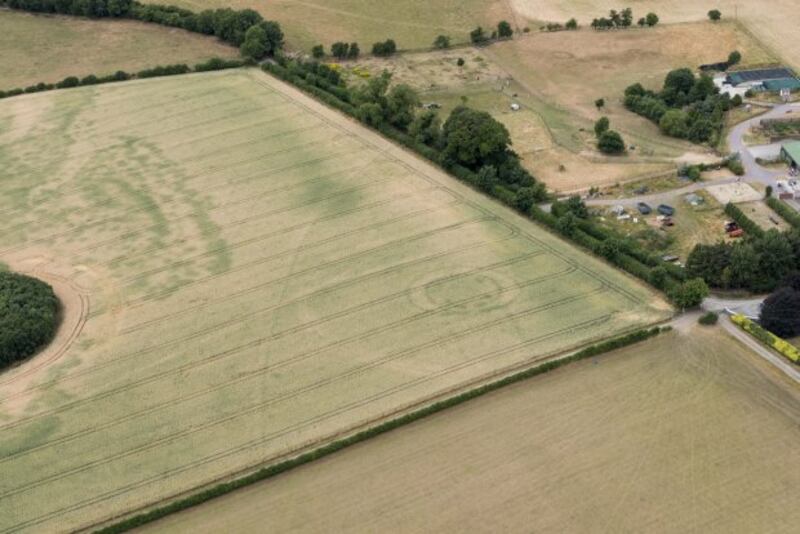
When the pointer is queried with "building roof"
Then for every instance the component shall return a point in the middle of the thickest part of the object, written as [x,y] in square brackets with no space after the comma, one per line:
[792,148]
[758,75]
[782,83]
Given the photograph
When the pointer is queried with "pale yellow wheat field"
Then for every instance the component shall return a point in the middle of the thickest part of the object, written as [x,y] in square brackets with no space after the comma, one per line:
[247,273]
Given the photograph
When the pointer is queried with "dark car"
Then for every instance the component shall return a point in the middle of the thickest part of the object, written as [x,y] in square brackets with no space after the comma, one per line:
[663,209]
[644,209]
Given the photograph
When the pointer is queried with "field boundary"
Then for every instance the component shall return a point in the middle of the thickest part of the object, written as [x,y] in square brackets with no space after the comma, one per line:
[128,522]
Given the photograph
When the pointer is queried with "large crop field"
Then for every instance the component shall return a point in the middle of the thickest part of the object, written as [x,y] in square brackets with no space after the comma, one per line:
[412,23]
[774,22]
[684,433]
[38,48]
[246,273]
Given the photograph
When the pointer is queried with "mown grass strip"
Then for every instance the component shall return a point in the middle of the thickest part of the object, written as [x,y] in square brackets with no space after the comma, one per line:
[222,488]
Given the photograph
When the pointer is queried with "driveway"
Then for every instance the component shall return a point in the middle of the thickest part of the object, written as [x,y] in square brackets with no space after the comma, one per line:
[753,171]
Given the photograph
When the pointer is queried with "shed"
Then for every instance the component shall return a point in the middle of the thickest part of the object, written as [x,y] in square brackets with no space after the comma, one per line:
[792,84]
[757,76]
[790,152]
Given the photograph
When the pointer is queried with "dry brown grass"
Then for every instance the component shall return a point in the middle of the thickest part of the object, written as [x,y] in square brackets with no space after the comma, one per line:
[411,23]
[685,433]
[573,69]
[774,22]
[38,48]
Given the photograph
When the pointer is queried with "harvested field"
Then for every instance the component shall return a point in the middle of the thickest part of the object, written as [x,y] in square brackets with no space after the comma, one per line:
[39,48]
[411,23]
[774,22]
[261,274]
[570,70]
[686,432]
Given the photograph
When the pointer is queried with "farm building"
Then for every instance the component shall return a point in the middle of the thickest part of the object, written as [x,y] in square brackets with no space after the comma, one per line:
[763,79]
[790,152]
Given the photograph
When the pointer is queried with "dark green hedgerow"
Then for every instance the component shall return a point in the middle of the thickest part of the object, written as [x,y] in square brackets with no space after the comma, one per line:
[281,467]
[121,76]
[332,91]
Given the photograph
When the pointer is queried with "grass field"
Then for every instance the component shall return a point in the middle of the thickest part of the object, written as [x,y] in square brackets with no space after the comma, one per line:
[411,23]
[679,434]
[251,273]
[773,22]
[40,48]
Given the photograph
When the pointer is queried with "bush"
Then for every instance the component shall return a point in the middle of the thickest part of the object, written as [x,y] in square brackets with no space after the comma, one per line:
[504,30]
[216,63]
[478,36]
[610,142]
[318,51]
[441,42]
[167,70]
[28,316]
[384,49]
[708,319]
[689,294]
[767,337]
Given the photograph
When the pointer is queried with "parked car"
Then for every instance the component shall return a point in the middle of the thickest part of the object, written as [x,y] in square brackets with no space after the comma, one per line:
[643,208]
[664,209]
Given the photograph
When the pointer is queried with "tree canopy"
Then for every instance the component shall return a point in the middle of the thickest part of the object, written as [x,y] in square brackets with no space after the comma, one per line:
[474,138]
[28,316]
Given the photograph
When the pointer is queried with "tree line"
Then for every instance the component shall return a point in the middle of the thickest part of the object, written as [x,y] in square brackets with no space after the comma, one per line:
[28,316]
[620,20]
[229,25]
[687,107]
[121,76]
[477,149]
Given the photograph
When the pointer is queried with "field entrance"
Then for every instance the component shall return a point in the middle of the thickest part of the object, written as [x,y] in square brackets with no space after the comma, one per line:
[259,274]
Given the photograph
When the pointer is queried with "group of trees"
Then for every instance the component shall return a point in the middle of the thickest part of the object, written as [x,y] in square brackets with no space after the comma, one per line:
[478,36]
[758,263]
[28,316]
[385,48]
[780,313]
[623,20]
[339,50]
[229,25]
[608,140]
[687,107]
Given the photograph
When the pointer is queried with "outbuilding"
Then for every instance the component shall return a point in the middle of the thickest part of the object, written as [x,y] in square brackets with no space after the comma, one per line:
[790,153]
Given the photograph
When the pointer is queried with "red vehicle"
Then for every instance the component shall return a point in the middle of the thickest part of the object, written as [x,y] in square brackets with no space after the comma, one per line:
[736,233]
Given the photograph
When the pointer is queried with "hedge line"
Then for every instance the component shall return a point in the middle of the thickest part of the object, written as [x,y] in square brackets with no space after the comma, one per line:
[767,338]
[120,76]
[745,223]
[226,24]
[335,446]
[785,211]
[634,260]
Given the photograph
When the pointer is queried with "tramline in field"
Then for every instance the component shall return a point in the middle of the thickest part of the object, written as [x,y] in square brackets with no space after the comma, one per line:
[258,274]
